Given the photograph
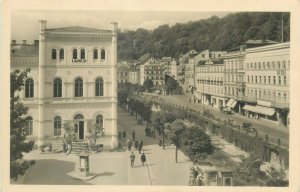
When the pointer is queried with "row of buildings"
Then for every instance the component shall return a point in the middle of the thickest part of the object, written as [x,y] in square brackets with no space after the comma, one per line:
[251,79]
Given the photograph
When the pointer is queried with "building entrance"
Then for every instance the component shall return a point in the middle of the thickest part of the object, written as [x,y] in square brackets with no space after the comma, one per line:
[81,130]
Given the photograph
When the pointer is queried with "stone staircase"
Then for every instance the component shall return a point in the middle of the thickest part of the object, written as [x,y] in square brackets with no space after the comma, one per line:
[79,146]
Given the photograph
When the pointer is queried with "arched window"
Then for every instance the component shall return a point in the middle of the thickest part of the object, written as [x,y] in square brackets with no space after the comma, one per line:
[29,88]
[57,126]
[99,87]
[29,126]
[74,53]
[57,88]
[99,121]
[102,54]
[53,53]
[95,53]
[78,87]
[82,54]
[61,54]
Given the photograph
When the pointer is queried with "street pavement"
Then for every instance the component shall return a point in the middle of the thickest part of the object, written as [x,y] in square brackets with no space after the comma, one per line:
[113,167]
[262,126]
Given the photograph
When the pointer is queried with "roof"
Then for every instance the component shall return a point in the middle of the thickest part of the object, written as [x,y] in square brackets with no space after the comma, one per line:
[78,29]
[24,50]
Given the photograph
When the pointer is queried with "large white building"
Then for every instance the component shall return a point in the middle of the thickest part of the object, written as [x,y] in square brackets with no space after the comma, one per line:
[72,80]
[267,77]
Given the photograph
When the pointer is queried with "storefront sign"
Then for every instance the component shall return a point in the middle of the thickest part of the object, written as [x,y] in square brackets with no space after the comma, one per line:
[78,60]
[264,103]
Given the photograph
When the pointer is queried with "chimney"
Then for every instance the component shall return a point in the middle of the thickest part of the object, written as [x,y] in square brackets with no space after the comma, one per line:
[115,27]
[24,42]
[43,25]
[36,42]
[13,42]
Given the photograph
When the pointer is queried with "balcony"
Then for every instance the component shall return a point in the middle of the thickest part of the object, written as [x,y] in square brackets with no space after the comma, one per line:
[100,99]
[240,84]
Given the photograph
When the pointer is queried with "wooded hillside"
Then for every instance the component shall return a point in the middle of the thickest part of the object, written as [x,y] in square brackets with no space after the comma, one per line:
[213,33]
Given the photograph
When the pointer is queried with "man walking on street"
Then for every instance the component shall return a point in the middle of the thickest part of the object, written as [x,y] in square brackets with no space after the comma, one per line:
[133,135]
[129,144]
[143,159]
[132,157]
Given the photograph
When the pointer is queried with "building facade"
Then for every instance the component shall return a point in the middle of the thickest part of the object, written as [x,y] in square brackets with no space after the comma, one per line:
[209,85]
[267,76]
[123,73]
[73,80]
[234,85]
[134,73]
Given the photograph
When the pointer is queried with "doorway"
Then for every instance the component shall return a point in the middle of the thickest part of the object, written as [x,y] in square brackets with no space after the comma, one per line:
[81,130]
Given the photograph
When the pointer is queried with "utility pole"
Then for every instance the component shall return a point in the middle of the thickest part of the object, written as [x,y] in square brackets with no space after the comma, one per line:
[281,28]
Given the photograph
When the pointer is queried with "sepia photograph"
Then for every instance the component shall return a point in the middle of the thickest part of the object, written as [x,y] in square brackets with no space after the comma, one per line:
[150,98]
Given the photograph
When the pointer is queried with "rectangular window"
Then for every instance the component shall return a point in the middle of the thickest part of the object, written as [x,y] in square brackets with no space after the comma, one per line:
[268,65]
[284,80]
[265,80]
[274,80]
[255,79]
[284,65]
[251,78]
[278,65]
[269,77]
[258,65]
[248,79]
[279,80]
[273,64]
[260,79]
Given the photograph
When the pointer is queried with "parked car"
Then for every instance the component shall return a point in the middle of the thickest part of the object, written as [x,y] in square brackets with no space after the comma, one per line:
[249,127]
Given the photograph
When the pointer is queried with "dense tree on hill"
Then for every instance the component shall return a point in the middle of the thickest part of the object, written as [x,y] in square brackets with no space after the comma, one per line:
[213,33]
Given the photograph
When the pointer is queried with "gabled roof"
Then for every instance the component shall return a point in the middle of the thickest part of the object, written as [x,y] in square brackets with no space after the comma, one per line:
[78,29]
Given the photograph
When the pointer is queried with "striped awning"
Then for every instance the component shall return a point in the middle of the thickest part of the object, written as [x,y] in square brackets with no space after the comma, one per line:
[229,103]
[260,109]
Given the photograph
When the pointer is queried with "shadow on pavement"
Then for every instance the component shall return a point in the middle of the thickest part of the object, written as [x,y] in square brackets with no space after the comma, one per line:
[51,172]
[105,174]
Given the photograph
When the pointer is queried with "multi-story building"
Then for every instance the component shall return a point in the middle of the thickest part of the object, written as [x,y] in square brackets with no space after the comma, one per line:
[234,73]
[176,70]
[207,56]
[234,85]
[209,85]
[134,73]
[73,80]
[123,73]
[154,71]
[167,63]
[267,79]
[189,70]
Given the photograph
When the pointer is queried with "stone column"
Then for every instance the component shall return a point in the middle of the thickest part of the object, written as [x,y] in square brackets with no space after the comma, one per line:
[42,58]
[114,132]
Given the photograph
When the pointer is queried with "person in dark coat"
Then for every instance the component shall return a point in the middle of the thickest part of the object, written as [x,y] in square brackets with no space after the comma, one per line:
[129,144]
[133,135]
[143,159]
[136,144]
[132,157]
[124,134]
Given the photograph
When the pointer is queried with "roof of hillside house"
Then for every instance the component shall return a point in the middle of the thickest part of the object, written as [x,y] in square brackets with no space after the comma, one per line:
[78,29]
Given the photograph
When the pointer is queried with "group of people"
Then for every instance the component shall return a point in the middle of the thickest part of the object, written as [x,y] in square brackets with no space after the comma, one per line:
[132,158]
[138,144]
[196,176]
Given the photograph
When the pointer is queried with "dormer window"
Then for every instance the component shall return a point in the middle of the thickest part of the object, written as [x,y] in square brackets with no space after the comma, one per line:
[53,53]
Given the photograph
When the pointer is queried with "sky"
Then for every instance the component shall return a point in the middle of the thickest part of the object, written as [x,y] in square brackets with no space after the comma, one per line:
[25,26]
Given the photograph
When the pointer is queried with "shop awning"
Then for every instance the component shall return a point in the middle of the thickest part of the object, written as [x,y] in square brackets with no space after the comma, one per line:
[260,109]
[229,103]
[233,104]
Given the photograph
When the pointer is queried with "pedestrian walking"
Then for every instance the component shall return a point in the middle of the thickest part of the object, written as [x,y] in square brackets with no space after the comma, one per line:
[129,144]
[132,158]
[140,146]
[143,159]
[133,135]
[136,144]
[124,134]
[199,179]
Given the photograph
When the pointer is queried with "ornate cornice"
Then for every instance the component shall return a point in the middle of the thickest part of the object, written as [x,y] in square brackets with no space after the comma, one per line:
[78,37]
